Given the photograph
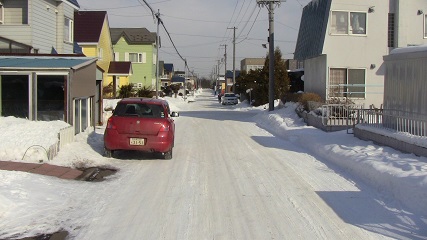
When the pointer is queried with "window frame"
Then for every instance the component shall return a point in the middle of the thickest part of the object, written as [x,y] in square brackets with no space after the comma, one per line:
[140,57]
[1,13]
[100,53]
[346,86]
[425,25]
[68,33]
[333,29]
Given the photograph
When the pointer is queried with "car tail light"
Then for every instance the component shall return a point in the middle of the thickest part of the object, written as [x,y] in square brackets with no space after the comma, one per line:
[110,124]
[164,128]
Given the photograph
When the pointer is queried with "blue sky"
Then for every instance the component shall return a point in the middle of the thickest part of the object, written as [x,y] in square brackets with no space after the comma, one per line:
[199,28]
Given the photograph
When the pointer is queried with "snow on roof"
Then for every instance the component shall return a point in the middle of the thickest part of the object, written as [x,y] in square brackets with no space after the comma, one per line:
[421,48]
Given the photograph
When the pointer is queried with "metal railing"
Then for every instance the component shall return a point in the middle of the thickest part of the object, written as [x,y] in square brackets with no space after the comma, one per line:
[339,114]
[398,121]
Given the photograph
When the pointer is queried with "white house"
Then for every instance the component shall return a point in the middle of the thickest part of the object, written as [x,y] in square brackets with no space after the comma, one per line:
[341,44]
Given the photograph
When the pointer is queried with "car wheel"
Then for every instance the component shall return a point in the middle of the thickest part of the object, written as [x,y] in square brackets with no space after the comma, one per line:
[108,153]
[167,155]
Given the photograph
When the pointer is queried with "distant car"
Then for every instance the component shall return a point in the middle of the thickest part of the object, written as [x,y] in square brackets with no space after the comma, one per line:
[141,124]
[229,98]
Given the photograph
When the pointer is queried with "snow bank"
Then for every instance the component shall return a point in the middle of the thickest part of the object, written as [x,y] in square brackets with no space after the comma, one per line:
[404,176]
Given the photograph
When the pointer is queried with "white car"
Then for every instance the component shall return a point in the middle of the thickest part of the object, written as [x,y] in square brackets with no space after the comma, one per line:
[229,98]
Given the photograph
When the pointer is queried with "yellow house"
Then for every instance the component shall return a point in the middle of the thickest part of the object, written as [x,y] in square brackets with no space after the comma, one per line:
[92,34]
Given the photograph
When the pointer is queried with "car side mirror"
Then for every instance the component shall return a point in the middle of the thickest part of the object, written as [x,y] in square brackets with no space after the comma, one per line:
[174,114]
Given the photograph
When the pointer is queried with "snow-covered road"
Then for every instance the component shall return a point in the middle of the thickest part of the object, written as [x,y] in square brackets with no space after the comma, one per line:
[229,179]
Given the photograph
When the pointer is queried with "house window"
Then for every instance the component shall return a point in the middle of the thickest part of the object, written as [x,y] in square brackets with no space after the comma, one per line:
[391,30]
[116,56]
[339,23]
[68,30]
[346,82]
[348,23]
[136,57]
[100,53]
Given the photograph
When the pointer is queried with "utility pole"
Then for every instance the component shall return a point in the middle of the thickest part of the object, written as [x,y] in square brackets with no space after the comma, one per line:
[157,54]
[185,79]
[270,5]
[217,76]
[234,59]
[225,67]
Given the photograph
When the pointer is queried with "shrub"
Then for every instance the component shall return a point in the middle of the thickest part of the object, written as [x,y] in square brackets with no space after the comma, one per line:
[107,91]
[144,92]
[126,91]
[305,98]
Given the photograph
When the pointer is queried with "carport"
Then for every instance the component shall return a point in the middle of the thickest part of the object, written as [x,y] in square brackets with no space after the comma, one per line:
[49,88]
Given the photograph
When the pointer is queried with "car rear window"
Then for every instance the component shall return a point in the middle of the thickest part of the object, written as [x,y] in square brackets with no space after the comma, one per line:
[139,110]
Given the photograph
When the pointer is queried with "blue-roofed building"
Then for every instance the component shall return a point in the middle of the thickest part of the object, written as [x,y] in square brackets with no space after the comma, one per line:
[47,88]
[341,45]
[178,80]
[168,68]
[166,73]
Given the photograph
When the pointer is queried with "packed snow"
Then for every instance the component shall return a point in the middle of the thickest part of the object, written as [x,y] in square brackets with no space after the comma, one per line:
[33,204]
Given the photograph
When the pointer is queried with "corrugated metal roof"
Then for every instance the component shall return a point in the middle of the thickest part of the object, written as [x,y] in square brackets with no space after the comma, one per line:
[311,35]
[12,62]
[133,35]
[74,2]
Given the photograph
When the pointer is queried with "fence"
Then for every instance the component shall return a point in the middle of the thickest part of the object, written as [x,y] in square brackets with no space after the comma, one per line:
[399,121]
[66,136]
[339,114]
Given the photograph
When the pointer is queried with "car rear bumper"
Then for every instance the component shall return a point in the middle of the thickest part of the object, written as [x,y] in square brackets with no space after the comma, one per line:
[162,142]
[229,102]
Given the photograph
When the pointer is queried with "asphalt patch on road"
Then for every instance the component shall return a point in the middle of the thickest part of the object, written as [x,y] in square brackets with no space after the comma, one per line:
[60,235]
[96,174]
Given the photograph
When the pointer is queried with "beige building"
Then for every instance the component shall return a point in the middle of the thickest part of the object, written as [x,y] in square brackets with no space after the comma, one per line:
[341,45]
[248,64]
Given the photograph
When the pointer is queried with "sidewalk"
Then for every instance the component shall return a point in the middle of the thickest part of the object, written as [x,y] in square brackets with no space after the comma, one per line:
[44,169]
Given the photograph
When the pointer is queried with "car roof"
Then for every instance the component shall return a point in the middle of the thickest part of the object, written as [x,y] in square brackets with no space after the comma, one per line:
[143,100]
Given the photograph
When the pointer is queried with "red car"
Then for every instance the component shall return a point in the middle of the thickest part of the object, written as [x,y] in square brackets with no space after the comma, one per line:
[141,124]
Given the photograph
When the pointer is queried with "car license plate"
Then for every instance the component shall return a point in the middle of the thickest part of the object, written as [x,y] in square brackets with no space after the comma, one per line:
[137,141]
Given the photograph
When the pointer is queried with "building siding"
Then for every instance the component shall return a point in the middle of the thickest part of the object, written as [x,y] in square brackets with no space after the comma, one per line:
[17,12]
[410,24]
[316,69]
[43,22]
[42,28]
[64,11]
[359,51]
[142,72]
[14,26]
[405,85]
[107,50]
[89,50]
[370,48]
